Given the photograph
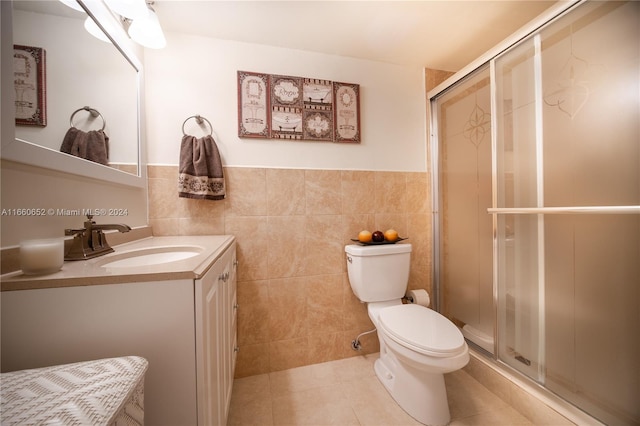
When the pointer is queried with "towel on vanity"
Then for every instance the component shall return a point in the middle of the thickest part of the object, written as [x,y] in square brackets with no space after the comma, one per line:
[200,173]
[92,145]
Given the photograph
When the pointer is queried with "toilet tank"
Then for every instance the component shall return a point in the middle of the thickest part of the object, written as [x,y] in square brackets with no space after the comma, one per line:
[378,273]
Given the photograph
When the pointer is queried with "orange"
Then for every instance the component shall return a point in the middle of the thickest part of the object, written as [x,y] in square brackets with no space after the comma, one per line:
[391,235]
[365,236]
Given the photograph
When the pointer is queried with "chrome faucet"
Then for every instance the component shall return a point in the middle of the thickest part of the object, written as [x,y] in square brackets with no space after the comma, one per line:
[90,241]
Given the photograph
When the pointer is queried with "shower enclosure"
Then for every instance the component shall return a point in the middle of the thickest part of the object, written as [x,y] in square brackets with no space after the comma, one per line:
[538,181]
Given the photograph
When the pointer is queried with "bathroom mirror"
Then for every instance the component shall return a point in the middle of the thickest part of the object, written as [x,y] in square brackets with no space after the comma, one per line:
[80,71]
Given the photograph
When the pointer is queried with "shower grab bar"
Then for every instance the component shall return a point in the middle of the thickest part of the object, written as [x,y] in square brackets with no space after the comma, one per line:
[567,210]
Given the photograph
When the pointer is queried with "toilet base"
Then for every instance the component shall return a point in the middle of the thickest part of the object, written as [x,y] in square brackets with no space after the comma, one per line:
[422,395]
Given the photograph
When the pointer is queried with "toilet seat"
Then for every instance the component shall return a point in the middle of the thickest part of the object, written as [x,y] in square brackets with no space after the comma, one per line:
[421,329]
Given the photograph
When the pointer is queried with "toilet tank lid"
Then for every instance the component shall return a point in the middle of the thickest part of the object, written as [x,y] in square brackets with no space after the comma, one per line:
[377,250]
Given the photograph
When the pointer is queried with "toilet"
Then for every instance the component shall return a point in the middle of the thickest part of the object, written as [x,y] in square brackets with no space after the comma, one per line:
[417,344]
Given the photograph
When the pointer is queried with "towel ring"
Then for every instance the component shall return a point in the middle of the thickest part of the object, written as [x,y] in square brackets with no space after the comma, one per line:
[94,113]
[199,119]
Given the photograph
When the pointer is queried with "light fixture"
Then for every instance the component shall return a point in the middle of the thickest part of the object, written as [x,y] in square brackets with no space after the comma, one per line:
[73,4]
[147,31]
[93,29]
[132,9]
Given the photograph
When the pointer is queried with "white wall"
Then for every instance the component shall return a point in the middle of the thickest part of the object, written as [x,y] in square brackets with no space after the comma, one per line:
[37,187]
[198,75]
[80,70]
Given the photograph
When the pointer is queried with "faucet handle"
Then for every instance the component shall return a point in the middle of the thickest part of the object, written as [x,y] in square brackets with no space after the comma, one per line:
[74,232]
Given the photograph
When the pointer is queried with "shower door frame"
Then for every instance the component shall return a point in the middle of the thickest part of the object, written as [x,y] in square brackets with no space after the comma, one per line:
[530,32]
[488,58]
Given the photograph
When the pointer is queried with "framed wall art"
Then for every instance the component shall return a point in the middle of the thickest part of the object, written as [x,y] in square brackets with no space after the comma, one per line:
[253,105]
[29,82]
[347,112]
[286,107]
[297,108]
[318,110]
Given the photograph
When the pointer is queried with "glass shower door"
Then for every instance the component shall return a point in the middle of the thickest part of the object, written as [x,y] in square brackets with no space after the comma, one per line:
[568,208]
[520,242]
[465,261]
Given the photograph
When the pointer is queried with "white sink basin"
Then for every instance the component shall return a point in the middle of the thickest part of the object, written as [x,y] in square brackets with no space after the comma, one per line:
[149,256]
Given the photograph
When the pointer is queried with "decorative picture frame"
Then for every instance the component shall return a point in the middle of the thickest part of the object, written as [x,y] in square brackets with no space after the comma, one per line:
[347,112]
[297,108]
[254,114]
[318,110]
[29,82]
[286,107]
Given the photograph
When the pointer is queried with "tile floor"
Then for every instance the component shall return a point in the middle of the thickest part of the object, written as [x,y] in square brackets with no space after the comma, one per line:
[347,392]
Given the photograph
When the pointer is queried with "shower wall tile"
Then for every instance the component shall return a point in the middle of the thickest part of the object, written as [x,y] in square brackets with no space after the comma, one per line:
[434,77]
[325,347]
[323,192]
[285,354]
[352,224]
[358,192]
[325,302]
[253,317]
[288,308]
[285,192]
[163,172]
[252,231]
[195,208]
[397,221]
[418,193]
[246,191]
[168,226]
[201,226]
[390,192]
[291,226]
[286,246]
[355,312]
[163,195]
[253,360]
[419,228]
[323,246]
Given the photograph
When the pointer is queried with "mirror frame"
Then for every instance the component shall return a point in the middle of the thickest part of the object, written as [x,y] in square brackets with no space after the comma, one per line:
[21,151]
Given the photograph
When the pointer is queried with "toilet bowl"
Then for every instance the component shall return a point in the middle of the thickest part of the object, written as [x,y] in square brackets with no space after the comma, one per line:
[417,344]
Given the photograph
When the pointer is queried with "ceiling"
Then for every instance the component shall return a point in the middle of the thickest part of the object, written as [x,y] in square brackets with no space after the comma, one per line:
[439,34]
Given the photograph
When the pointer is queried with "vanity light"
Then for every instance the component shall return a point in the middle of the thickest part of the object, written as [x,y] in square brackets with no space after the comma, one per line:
[147,31]
[132,9]
[93,29]
[73,4]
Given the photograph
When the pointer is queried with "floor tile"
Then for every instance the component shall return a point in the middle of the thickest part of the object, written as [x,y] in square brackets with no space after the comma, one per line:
[347,392]
[468,397]
[506,416]
[251,402]
[318,406]
[373,405]
[304,378]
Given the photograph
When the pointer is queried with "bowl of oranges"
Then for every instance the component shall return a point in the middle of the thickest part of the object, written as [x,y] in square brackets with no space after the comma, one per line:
[390,236]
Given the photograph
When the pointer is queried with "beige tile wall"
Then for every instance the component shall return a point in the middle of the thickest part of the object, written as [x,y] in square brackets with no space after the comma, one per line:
[296,305]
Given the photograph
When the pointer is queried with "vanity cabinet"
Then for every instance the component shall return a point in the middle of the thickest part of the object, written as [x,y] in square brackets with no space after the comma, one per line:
[216,337]
[185,328]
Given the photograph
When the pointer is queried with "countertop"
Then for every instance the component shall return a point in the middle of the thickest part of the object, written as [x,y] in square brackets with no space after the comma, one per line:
[90,272]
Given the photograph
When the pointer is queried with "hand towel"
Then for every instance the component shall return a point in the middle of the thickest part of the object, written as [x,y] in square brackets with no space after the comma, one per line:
[92,145]
[201,174]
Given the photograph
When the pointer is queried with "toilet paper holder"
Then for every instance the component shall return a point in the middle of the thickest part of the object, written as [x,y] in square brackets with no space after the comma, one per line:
[419,297]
